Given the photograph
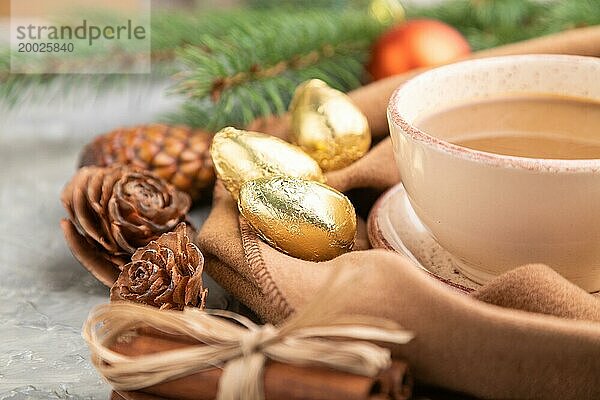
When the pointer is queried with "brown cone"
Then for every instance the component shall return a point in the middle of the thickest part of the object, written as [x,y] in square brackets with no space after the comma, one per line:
[115,210]
[177,154]
[167,273]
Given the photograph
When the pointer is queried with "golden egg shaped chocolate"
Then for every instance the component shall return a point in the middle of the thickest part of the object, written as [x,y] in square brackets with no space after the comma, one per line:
[328,126]
[240,155]
[305,219]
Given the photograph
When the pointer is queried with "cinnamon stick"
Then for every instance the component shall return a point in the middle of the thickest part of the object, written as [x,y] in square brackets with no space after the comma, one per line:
[281,381]
[372,99]
[121,395]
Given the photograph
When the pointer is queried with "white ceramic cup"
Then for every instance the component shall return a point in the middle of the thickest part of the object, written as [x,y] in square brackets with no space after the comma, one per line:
[495,212]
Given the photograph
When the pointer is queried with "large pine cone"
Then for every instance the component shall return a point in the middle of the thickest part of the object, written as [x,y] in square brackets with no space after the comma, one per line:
[167,273]
[115,210]
[177,154]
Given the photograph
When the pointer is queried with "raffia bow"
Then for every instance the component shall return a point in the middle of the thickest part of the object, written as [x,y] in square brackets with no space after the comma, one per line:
[318,335]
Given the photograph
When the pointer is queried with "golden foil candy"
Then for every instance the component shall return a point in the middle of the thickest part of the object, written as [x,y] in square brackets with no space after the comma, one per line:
[328,126]
[305,219]
[387,11]
[240,155]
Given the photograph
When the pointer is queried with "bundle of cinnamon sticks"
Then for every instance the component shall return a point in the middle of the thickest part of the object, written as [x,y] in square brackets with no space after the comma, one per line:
[281,381]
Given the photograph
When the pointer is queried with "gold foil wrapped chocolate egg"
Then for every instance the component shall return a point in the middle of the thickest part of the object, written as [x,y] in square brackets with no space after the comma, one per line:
[328,126]
[305,219]
[240,155]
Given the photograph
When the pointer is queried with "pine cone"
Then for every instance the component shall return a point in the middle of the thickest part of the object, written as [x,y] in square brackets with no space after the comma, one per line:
[167,273]
[115,210]
[177,154]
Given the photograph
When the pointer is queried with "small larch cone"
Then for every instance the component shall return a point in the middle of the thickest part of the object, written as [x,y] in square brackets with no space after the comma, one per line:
[167,273]
[177,154]
[115,210]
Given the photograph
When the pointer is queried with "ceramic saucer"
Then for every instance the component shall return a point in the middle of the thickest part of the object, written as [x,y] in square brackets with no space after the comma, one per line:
[394,225]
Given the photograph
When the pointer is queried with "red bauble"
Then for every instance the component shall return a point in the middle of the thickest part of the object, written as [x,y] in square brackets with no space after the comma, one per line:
[416,43]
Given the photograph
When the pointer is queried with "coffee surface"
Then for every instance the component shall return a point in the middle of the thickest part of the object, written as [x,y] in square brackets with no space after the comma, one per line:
[535,126]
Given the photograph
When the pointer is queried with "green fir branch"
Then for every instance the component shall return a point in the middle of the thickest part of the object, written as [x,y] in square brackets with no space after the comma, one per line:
[243,103]
[170,31]
[572,14]
[252,73]
[491,23]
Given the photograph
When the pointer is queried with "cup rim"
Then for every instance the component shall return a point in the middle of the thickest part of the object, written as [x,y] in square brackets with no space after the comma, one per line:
[500,160]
